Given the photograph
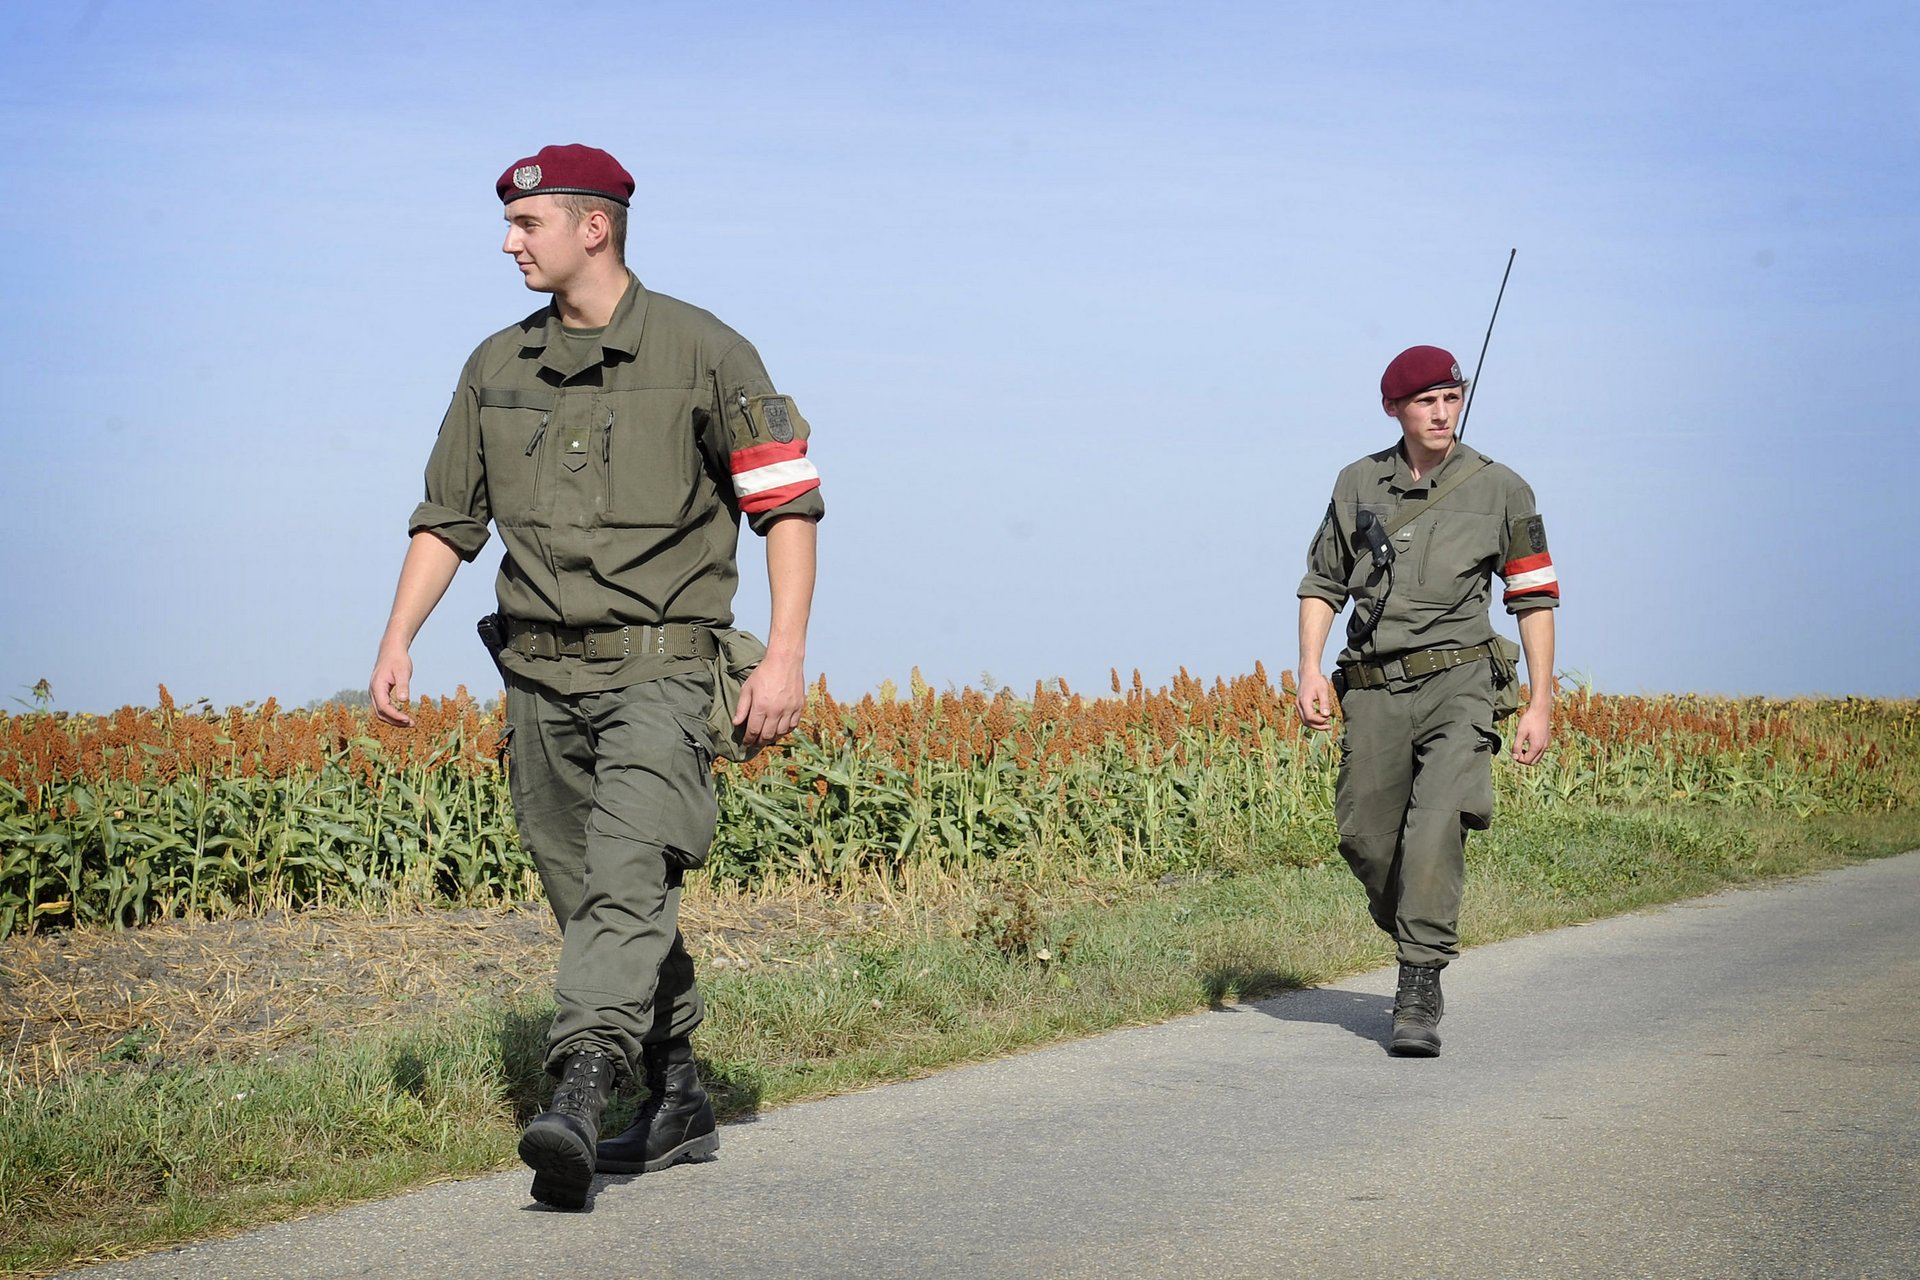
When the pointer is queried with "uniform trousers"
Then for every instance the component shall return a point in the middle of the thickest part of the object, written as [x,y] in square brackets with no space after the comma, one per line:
[613,796]
[1416,773]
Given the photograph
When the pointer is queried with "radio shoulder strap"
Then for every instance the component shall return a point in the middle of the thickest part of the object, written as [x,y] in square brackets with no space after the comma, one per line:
[1407,515]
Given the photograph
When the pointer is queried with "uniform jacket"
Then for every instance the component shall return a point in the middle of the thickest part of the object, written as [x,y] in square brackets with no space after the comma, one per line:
[616,470]
[1443,560]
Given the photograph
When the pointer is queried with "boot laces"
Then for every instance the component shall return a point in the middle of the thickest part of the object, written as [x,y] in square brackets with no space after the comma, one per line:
[660,1091]
[662,1081]
[583,1089]
[1419,994]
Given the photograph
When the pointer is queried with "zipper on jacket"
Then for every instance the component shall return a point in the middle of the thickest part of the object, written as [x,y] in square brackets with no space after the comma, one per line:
[606,462]
[720,405]
[1425,526]
[741,393]
[539,434]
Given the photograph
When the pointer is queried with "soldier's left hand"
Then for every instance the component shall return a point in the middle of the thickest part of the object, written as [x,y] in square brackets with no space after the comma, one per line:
[1532,733]
[771,701]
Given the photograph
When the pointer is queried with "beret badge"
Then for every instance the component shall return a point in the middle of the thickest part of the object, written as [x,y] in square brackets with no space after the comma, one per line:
[527,177]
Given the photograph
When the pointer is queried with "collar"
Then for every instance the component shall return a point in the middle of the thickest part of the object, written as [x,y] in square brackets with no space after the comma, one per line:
[621,335]
[1398,475]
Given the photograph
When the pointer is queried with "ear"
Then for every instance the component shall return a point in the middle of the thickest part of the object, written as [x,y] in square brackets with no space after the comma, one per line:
[1388,406]
[598,227]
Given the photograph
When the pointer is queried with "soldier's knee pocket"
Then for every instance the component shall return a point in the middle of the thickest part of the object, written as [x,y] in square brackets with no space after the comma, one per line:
[1476,807]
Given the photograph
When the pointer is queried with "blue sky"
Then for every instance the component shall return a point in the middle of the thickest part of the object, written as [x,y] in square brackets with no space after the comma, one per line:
[1086,303]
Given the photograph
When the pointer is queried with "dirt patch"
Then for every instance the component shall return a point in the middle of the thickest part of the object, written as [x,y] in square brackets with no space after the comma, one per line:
[185,992]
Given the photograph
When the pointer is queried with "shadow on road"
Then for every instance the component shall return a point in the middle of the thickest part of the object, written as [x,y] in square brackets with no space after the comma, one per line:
[1366,1015]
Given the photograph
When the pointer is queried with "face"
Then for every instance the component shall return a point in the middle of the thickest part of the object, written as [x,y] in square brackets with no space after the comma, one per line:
[1427,419]
[549,247]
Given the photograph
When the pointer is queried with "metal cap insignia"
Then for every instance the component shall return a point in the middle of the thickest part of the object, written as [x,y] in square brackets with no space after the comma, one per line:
[527,177]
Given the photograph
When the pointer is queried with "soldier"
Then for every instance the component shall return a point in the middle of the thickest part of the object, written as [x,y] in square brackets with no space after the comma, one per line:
[1411,537]
[614,438]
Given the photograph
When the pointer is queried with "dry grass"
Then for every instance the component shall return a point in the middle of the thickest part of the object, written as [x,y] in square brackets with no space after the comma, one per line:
[181,992]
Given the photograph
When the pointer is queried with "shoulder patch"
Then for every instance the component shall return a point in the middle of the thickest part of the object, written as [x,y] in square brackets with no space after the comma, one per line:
[773,410]
[1529,535]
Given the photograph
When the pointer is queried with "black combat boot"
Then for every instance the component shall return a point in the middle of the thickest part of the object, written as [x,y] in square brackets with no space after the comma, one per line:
[558,1143]
[675,1123]
[1417,1007]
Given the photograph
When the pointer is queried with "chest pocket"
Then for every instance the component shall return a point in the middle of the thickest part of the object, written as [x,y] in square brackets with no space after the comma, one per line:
[1451,553]
[515,423]
[647,459]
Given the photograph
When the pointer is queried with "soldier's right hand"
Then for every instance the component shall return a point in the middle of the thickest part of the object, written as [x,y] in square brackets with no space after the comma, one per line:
[388,688]
[1314,701]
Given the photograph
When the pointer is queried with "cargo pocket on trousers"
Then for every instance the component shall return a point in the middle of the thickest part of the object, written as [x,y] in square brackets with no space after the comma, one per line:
[1345,807]
[1477,814]
[688,859]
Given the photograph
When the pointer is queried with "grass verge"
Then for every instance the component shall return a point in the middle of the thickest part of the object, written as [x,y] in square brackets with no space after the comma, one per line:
[112,1164]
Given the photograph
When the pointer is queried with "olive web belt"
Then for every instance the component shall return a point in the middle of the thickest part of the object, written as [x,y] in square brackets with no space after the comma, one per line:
[1375,675]
[609,644]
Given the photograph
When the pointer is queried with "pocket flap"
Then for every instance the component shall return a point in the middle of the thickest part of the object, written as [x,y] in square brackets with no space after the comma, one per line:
[516,398]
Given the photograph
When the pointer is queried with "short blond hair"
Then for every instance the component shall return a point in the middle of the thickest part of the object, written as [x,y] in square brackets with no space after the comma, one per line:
[579,206]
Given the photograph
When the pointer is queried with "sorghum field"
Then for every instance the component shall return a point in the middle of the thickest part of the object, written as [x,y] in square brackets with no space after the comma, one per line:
[145,815]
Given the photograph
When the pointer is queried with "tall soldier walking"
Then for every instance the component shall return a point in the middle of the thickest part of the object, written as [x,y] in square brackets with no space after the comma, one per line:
[1412,537]
[614,438]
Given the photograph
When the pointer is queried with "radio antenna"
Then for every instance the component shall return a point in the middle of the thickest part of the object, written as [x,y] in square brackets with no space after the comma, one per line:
[1474,386]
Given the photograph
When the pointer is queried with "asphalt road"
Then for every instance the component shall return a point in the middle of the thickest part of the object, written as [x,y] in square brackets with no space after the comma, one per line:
[1723,1088]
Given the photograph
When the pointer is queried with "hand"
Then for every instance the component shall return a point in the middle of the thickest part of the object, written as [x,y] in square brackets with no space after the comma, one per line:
[1533,732]
[1314,700]
[391,672]
[771,701]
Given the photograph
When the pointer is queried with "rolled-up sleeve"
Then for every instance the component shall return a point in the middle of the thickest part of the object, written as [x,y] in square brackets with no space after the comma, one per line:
[1328,565]
[1526,567]
[456,507]
[767,444]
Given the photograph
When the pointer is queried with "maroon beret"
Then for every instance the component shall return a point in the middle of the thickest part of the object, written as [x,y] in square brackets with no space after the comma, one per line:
[572,170]
[1419,369]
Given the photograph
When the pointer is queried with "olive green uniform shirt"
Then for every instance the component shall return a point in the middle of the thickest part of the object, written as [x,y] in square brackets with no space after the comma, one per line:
[616,468]
[1443,560]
